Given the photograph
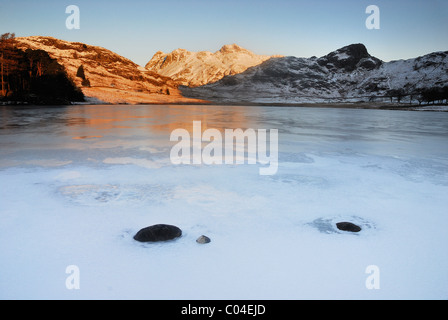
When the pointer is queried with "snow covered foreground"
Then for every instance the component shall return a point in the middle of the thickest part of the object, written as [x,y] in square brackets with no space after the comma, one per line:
[75,192]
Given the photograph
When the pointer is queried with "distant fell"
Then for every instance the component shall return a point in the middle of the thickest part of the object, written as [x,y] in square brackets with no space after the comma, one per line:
[198,68]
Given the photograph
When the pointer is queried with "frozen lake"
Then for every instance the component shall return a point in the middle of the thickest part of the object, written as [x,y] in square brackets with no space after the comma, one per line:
[77,182]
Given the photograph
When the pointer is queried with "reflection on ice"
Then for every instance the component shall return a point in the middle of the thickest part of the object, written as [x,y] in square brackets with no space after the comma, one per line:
[86,137]
[302,180]
[139,162]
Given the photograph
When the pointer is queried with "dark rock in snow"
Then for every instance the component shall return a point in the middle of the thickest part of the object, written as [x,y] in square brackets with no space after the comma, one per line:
[348,226]
[158,232]
[203,239]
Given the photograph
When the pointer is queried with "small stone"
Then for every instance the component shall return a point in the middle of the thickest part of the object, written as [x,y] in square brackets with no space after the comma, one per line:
[203,239]
[348,226]
[158,232]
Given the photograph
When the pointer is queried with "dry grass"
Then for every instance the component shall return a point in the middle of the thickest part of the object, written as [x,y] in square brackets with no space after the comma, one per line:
[119,96]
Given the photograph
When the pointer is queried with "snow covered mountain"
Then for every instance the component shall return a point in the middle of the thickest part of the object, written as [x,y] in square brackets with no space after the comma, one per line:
[106,76]
[349,74]
[198,68]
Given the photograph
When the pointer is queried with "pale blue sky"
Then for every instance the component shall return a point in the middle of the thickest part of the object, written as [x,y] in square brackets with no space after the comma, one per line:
[137,29]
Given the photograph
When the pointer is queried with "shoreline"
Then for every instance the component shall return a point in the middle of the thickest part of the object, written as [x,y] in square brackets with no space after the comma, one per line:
[341,105]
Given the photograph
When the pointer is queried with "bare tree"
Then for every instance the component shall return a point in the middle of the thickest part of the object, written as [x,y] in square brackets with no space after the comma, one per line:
[7,59]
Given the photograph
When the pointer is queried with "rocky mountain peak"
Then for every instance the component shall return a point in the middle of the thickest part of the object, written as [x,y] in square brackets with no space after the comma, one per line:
[358,51]
[350,58]
[159,53]
[231,48]
[179,52]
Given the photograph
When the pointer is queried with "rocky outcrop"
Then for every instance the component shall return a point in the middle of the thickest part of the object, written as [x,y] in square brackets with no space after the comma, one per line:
[199,68]
[350,58]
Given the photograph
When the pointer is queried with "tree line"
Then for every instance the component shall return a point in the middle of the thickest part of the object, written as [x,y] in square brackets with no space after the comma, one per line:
[426,95]
[32,76]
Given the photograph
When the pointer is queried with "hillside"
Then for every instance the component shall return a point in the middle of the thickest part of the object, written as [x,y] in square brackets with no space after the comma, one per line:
[107,76]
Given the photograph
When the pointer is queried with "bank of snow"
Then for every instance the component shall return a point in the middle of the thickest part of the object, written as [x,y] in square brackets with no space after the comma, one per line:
[272,238]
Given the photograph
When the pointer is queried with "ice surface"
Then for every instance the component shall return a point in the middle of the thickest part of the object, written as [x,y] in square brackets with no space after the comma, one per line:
[79,202]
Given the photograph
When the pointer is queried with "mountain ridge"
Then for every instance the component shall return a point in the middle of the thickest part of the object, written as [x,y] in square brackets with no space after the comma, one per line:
[348,74]
[203,67]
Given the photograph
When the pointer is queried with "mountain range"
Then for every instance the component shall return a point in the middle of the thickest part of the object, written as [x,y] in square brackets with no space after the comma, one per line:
[236,75]
[349,74]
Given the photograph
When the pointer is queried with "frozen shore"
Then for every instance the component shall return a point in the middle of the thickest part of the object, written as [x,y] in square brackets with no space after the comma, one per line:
[78,183]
